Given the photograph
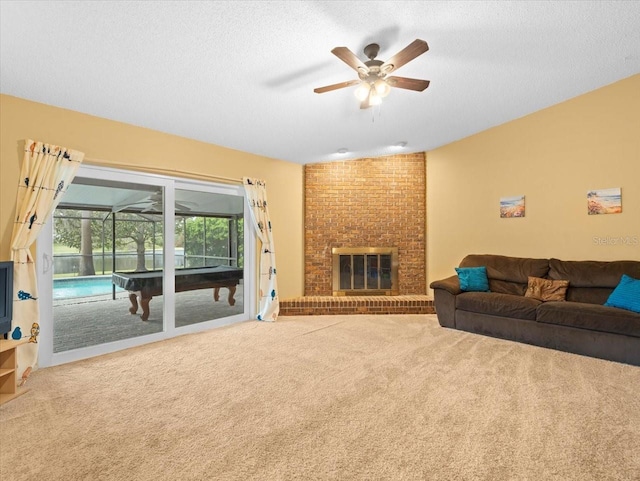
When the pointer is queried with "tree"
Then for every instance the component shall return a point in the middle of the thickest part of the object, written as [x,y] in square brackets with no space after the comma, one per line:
[140,229]
[206,238]
[203,238]
[77,229]
[83,230]
[86,246]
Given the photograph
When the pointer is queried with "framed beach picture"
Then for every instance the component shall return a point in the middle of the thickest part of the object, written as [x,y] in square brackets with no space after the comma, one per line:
[604,201]
[512,206]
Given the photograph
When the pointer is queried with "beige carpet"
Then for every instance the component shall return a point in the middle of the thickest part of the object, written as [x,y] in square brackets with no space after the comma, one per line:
[327,398]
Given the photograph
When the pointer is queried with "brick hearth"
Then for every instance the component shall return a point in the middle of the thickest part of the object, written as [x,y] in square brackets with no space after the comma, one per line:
[321,305]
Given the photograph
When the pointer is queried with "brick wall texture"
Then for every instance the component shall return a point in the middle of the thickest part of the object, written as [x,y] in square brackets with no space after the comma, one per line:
[371,202]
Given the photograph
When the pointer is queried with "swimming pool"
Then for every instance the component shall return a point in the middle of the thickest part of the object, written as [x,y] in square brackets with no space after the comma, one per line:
[71,287]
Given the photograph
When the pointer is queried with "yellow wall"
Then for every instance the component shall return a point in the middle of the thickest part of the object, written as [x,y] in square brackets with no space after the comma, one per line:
[121,143]
[553,157]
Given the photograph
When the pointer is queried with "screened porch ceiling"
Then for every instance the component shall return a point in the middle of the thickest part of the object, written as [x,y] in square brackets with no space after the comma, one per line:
[96,194]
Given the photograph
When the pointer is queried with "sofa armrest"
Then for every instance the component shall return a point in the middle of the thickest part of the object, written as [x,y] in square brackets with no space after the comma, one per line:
[444,299]
[445,305]
[450,284]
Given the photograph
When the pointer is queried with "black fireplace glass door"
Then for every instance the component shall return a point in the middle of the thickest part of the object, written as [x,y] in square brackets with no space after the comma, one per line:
[385,271]
[358,272]
[372,272]
[365,270]
[345,272]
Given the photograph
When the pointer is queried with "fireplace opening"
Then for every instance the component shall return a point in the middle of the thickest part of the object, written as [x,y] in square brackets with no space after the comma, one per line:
[365,271]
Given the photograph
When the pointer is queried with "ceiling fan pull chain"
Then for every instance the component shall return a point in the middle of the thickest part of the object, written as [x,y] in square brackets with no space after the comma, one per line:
[373,112]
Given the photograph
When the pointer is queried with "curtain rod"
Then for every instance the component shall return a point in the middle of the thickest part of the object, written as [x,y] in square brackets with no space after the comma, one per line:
[157,170]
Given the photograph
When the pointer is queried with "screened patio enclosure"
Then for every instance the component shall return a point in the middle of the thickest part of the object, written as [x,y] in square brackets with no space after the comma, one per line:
[105,227]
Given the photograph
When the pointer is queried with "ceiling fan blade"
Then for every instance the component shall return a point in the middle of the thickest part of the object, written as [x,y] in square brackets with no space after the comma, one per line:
[134,205]
[134,199]
[348,57]
[411,51]
[408,83]
[341,85]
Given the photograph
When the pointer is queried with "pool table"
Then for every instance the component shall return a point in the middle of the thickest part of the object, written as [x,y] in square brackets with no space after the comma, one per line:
[147,284]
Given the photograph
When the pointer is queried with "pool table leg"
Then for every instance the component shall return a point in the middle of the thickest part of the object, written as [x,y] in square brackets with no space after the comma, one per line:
[232,292]
[133,298]
[144,303]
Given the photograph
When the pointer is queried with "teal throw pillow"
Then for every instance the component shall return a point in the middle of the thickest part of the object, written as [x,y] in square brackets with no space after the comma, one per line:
[473,278]
[626,295]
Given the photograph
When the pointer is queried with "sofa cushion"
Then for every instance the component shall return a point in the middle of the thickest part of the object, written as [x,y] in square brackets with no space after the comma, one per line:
[590,316]
[591,295]
[508,275]
[473,278]
[593,273]
[496,304]
[626,295]
[592,281]
[546,289]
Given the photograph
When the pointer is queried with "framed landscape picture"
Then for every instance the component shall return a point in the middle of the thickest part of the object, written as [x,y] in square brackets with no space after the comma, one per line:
[604,201]
[512,206]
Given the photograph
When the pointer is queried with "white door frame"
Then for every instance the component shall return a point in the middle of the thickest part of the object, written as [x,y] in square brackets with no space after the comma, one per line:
[44,264]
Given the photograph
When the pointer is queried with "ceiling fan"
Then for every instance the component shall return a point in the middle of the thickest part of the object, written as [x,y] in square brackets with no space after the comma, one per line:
[153,203]
[374,83]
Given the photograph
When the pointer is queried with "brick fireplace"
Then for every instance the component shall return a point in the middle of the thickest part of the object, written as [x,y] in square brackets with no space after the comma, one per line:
[366,202]
[378,202]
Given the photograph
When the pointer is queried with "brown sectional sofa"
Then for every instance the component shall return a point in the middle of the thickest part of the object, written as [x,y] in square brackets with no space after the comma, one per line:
[581,324]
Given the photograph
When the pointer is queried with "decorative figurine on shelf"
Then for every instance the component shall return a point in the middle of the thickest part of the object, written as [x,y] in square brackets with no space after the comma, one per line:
[16,334]
[35,330]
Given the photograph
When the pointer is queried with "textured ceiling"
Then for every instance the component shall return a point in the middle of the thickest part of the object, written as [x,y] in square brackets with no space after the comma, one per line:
[241,74]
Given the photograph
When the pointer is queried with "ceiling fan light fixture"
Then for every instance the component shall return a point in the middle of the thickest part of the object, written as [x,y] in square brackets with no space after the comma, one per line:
[382,87]
[374,98]
[362,91]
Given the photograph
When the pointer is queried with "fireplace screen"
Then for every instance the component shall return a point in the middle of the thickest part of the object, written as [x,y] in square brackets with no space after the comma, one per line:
[365,271]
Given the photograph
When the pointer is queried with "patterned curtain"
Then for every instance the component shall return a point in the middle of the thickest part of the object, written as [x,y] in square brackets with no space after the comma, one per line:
[256,192]
[47,170]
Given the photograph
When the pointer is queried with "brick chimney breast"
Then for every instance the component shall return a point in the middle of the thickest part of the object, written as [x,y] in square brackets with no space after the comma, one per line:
[366,202]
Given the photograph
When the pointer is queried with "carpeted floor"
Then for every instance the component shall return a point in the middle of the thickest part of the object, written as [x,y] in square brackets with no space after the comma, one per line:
[327,398]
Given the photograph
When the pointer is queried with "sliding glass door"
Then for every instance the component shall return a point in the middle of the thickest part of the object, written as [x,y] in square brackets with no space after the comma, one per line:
[94,245]
[113,274]
[209,239]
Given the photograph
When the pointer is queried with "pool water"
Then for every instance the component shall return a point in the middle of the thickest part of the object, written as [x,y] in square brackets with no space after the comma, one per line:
[82,287]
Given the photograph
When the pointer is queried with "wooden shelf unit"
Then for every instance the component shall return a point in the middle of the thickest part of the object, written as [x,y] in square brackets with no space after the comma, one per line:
[8,366]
